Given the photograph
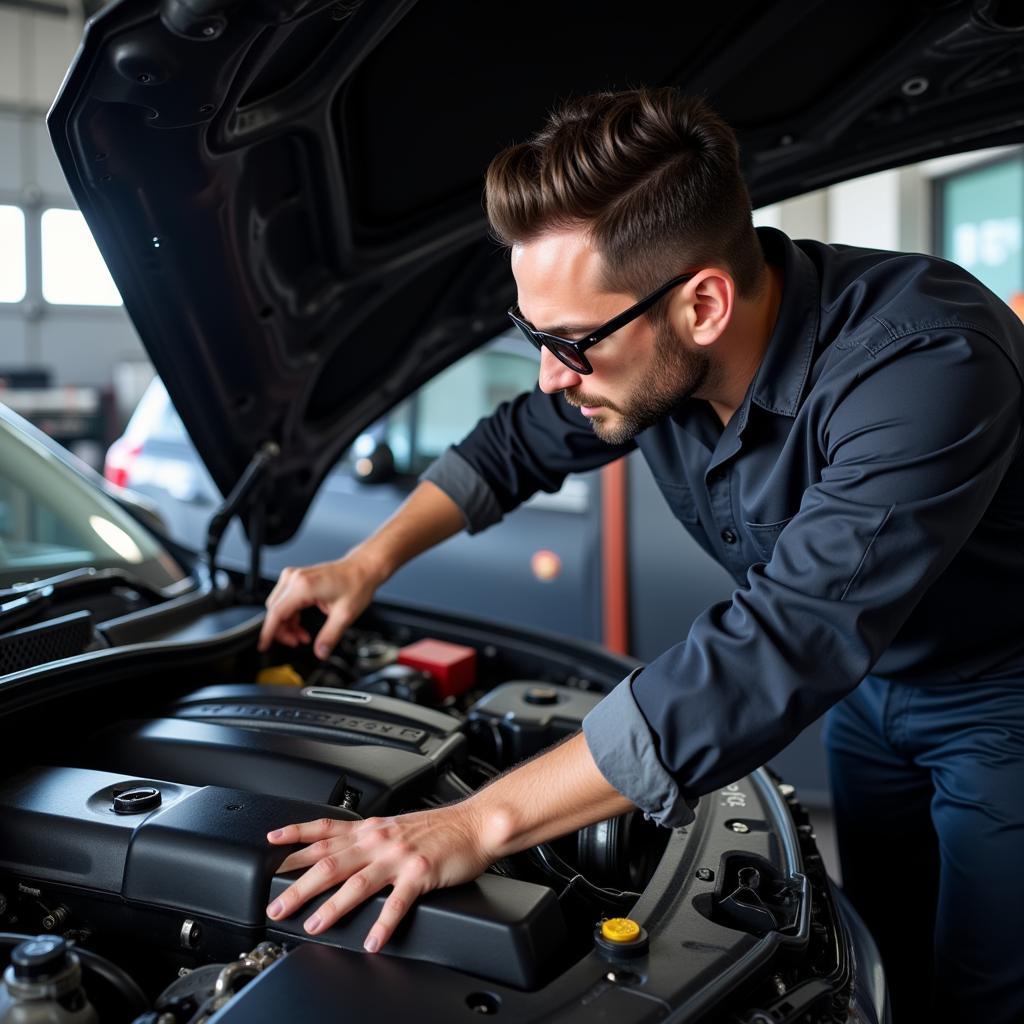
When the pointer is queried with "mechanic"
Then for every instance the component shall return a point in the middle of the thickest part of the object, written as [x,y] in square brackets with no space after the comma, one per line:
[841,429]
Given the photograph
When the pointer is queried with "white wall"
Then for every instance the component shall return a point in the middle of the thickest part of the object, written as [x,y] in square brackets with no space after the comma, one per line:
[35,51]
[78,345]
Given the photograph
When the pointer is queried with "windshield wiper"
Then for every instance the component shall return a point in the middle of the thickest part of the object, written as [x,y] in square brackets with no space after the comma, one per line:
[82,581]
[24,608]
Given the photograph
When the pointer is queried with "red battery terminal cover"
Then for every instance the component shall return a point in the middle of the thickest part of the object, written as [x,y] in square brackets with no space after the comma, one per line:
[452,665]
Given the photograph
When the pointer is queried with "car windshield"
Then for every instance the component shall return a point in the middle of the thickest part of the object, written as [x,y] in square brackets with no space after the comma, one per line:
[52,520]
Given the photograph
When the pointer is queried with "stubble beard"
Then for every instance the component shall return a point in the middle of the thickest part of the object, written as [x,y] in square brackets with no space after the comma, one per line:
[676,373]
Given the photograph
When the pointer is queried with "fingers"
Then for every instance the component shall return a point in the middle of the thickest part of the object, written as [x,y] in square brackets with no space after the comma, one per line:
[363,857]
[396,906]
[329,636]
[327,871]
[274,613]
[335,856]
[358,888]
[308,831]
[310,855]
[285,602]
[322,586]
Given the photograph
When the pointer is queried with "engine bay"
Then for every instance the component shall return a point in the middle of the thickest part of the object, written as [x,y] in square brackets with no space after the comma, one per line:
[165,816]
[137,832]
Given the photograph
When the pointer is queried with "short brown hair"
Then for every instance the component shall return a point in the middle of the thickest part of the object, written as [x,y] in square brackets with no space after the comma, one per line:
[653,174]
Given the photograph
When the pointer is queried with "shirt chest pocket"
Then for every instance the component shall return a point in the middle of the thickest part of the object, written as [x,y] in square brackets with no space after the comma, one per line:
[680,500]
[764,536]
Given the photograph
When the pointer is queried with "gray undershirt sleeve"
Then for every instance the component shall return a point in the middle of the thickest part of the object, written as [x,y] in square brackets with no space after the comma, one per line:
[467,488]
[623,747]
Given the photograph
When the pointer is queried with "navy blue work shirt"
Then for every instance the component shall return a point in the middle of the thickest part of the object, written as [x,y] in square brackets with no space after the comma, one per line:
[867,497]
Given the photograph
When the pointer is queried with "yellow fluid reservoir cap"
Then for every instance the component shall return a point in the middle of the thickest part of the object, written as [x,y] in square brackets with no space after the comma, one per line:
[620,929]
[280,675]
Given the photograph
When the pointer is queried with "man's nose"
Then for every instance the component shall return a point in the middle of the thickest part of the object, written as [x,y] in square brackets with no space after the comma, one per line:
[554,375]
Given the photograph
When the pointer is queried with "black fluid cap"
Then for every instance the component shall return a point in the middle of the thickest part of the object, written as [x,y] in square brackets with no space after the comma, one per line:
[41,957]
[136,800]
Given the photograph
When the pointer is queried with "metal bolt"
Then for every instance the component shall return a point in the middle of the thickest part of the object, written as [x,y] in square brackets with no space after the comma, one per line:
[209,30]
[189,935]
[738,826]
[619,977]
[55,918]
[705,874]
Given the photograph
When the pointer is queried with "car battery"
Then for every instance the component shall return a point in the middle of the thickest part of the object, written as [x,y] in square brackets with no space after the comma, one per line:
[522,718]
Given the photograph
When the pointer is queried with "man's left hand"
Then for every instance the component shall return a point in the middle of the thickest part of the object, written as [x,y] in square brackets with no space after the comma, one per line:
[414,853]
[555,793]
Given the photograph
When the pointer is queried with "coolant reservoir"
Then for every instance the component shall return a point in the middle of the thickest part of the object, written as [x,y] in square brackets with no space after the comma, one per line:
[43,985]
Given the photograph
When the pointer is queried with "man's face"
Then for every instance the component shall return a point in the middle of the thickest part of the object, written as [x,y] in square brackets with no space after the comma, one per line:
[640,372]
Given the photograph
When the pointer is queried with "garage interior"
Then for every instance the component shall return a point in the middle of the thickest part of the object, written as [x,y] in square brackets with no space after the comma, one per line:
[72,364]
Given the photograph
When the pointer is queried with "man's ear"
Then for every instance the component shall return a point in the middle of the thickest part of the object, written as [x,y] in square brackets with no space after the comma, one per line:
[713,295]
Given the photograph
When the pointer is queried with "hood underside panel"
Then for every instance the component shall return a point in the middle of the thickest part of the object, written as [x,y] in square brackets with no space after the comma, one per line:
[288,194]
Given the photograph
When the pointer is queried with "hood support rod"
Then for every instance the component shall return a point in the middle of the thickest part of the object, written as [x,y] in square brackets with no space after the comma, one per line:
[247,492]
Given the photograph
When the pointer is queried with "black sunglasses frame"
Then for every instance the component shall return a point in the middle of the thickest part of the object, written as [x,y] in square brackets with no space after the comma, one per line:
[569,352]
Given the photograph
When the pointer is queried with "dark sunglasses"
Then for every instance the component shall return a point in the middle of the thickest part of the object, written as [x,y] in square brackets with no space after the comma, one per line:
[571,352]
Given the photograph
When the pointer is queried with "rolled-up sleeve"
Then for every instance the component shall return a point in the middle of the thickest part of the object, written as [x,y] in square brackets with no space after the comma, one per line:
[531,444]
[916,446]
[621,744]
[464,485]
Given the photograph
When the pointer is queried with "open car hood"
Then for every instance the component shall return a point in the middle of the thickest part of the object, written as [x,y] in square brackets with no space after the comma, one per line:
[288,193]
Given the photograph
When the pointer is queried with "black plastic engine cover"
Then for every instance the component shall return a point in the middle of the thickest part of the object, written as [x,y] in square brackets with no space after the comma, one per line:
[203,851]
[313,744]
[503,929]
[203,854]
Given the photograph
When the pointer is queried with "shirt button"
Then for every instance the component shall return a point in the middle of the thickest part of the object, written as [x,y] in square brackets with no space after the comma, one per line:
[729,537]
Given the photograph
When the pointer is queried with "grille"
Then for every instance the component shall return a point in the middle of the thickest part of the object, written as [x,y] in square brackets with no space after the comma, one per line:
[62,637]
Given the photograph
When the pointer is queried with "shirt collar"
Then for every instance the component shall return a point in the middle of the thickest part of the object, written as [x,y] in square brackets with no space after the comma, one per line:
[779,382]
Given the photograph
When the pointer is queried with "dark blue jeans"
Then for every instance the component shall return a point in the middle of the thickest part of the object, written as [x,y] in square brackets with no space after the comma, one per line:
[928,786]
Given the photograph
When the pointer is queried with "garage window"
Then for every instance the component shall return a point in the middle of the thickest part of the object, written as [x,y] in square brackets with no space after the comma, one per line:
[73,269]
[12,254]
[981,222]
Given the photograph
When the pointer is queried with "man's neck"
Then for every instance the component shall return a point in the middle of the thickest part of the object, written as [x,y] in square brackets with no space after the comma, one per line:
[745,343]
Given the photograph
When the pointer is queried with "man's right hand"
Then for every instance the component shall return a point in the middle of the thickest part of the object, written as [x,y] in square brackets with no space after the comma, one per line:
[340,589]
[343,588]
